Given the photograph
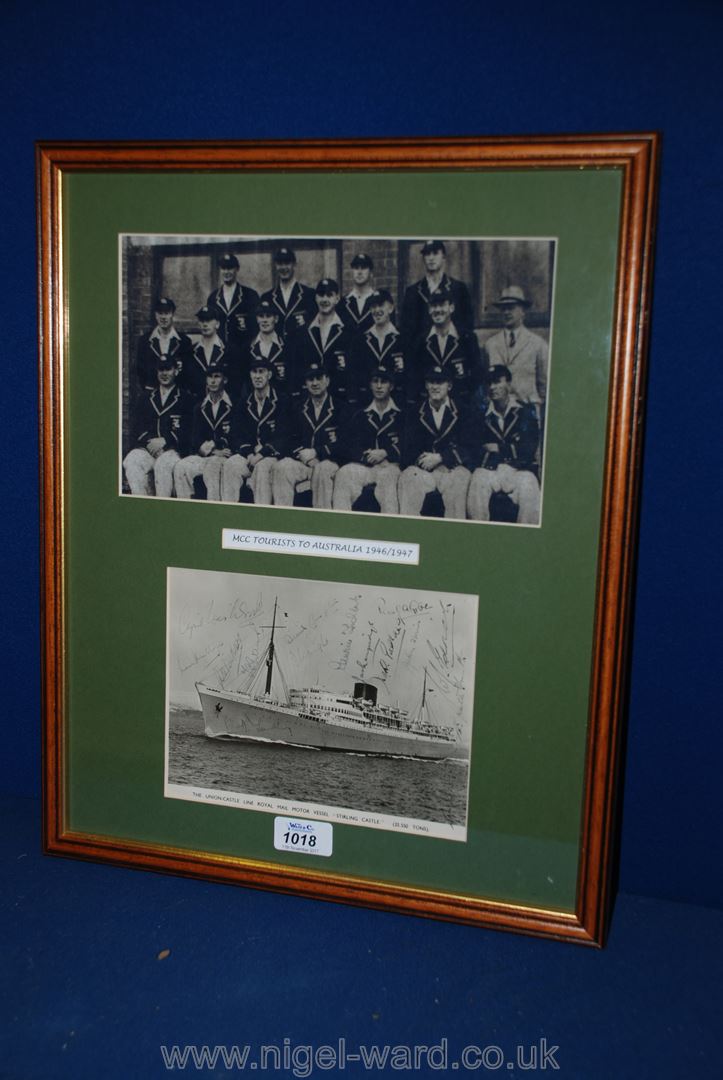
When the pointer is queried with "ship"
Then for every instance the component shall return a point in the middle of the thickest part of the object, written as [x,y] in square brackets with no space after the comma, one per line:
[317,718]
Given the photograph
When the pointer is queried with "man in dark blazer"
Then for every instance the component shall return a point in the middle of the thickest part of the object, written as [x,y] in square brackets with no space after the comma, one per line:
[506,447]
[326,341]
[293,302]
[209,351]
[161,432]
[211,439]
[236,305]
[314,443]
[163,340]
[381,344]
[415,321]
[372,444]
[260,437]
[355,307]
[436,449]
[269,345]
[453,349]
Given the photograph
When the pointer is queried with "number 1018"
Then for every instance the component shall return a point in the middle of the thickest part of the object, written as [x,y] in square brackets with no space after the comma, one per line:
[300,839]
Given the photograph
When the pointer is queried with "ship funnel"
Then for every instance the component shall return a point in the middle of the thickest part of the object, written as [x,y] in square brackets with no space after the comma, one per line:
[365,690]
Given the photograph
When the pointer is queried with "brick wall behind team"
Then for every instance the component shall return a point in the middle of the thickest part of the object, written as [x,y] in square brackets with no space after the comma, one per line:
[188,272]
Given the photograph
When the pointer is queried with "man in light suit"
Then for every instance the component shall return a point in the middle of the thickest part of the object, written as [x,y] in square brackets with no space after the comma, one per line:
[517,348]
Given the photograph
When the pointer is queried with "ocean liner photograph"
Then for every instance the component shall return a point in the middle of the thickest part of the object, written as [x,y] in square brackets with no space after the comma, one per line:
[342,702]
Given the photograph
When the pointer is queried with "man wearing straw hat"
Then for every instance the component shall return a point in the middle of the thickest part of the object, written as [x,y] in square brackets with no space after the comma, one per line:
[517,348]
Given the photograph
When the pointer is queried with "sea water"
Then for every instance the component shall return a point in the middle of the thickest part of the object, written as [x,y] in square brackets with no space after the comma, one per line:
[402,787]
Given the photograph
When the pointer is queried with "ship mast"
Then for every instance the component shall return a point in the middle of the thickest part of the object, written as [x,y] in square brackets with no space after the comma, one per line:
[270,651]
[424,696]
[423,703]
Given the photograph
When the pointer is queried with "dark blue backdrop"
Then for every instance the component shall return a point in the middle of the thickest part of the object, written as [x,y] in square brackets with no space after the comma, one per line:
[294,70]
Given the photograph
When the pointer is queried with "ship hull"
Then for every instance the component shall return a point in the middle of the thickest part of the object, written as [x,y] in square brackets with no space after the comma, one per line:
[238,718]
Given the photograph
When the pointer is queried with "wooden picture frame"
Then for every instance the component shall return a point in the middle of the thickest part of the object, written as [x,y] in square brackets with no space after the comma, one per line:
[548,720]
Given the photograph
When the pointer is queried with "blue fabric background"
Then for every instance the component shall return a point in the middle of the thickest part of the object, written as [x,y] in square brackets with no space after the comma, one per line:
[83,992]
[295,70]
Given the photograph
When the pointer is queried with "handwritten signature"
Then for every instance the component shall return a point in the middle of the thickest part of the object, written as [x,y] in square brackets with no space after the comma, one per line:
[190,621]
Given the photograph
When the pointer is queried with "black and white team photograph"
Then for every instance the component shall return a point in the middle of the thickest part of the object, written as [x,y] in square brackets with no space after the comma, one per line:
[342,702]
[366,375]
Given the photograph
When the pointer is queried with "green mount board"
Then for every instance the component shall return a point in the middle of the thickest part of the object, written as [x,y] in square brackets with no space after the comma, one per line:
[536,586]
